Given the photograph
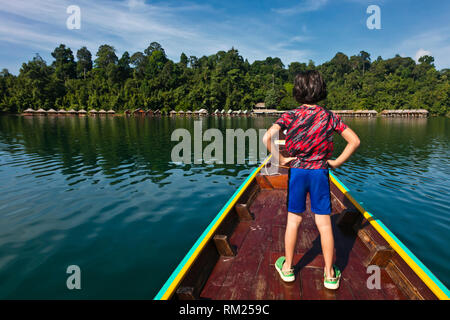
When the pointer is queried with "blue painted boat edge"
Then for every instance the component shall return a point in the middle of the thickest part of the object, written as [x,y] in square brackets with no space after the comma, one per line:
[404,248]
[200,239]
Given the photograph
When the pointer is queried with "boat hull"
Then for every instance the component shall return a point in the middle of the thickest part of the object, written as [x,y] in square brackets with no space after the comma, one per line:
[234,258]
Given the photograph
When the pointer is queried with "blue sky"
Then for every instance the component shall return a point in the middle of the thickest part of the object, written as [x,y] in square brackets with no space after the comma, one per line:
[292,30]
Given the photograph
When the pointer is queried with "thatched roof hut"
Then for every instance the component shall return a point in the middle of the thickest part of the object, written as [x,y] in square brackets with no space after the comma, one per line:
[139,112]
[102,112]
[149,112]
[260,105]
[62,112]
[111,112]
[82,112]
[28,112]
[40,112]
[52,111]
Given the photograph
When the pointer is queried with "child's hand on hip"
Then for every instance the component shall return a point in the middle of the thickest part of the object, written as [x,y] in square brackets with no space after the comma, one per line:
[334,164]
[285,160]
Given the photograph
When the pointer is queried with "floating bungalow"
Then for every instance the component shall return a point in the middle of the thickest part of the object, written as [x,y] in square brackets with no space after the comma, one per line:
[52,112]
[358,113]
[260,110]
[111,112]
[260,106]
[28,112]
[149,113]
[102,112]
[72,112]
[414,113]
[62,112]
[157,112]
[138,112]
[93,112]
[40,112]
[82,113]
[268,112]
[127,112]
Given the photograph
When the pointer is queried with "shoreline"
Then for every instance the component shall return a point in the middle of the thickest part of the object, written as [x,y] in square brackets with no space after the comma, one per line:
[401,113]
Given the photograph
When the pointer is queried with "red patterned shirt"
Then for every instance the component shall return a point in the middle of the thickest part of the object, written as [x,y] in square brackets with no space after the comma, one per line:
[309,135]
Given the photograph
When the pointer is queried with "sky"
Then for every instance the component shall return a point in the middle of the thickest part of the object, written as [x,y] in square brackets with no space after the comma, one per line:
[300,30]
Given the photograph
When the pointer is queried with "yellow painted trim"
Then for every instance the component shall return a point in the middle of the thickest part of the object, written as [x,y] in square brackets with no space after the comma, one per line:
[179,277]
[416,268]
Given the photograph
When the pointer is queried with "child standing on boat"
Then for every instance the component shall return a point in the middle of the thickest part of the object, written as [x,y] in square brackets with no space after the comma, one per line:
[309,143]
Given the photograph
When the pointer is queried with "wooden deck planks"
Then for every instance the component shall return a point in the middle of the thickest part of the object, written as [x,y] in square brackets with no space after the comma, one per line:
[240,278]
[217,278]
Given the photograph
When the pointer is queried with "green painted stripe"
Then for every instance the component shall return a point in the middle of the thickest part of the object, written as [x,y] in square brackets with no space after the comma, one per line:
[203,235]
[343,185]
[404,248]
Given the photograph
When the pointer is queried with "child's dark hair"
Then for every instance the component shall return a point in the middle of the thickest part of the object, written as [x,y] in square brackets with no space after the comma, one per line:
[309,87]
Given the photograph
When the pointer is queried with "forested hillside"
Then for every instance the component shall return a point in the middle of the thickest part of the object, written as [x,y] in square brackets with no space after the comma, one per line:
[225,80]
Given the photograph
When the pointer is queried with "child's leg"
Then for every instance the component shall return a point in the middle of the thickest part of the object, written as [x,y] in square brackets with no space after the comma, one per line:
[290,238]
[323,223]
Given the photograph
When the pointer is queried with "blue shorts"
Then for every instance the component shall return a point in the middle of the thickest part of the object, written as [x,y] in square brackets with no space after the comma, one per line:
[314,181]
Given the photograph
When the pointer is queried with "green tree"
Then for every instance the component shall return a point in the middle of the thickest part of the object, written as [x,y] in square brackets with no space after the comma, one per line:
[105,55]
[84,62]
[64,64]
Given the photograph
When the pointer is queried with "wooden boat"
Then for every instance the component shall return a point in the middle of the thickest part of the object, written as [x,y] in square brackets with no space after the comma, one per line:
[234,257]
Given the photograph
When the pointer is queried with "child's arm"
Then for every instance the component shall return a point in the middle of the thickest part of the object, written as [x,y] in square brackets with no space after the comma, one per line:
[268,140]
[352,144]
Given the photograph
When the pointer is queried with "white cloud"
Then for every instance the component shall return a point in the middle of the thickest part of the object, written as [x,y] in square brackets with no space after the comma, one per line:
[302,7]
[436,42]
[420,53]
[131,25]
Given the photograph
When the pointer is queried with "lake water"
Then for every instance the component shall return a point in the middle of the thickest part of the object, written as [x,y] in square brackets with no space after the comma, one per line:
[103,194]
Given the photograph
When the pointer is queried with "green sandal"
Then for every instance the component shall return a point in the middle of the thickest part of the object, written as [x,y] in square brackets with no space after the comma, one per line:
[332,283]
[287,276]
